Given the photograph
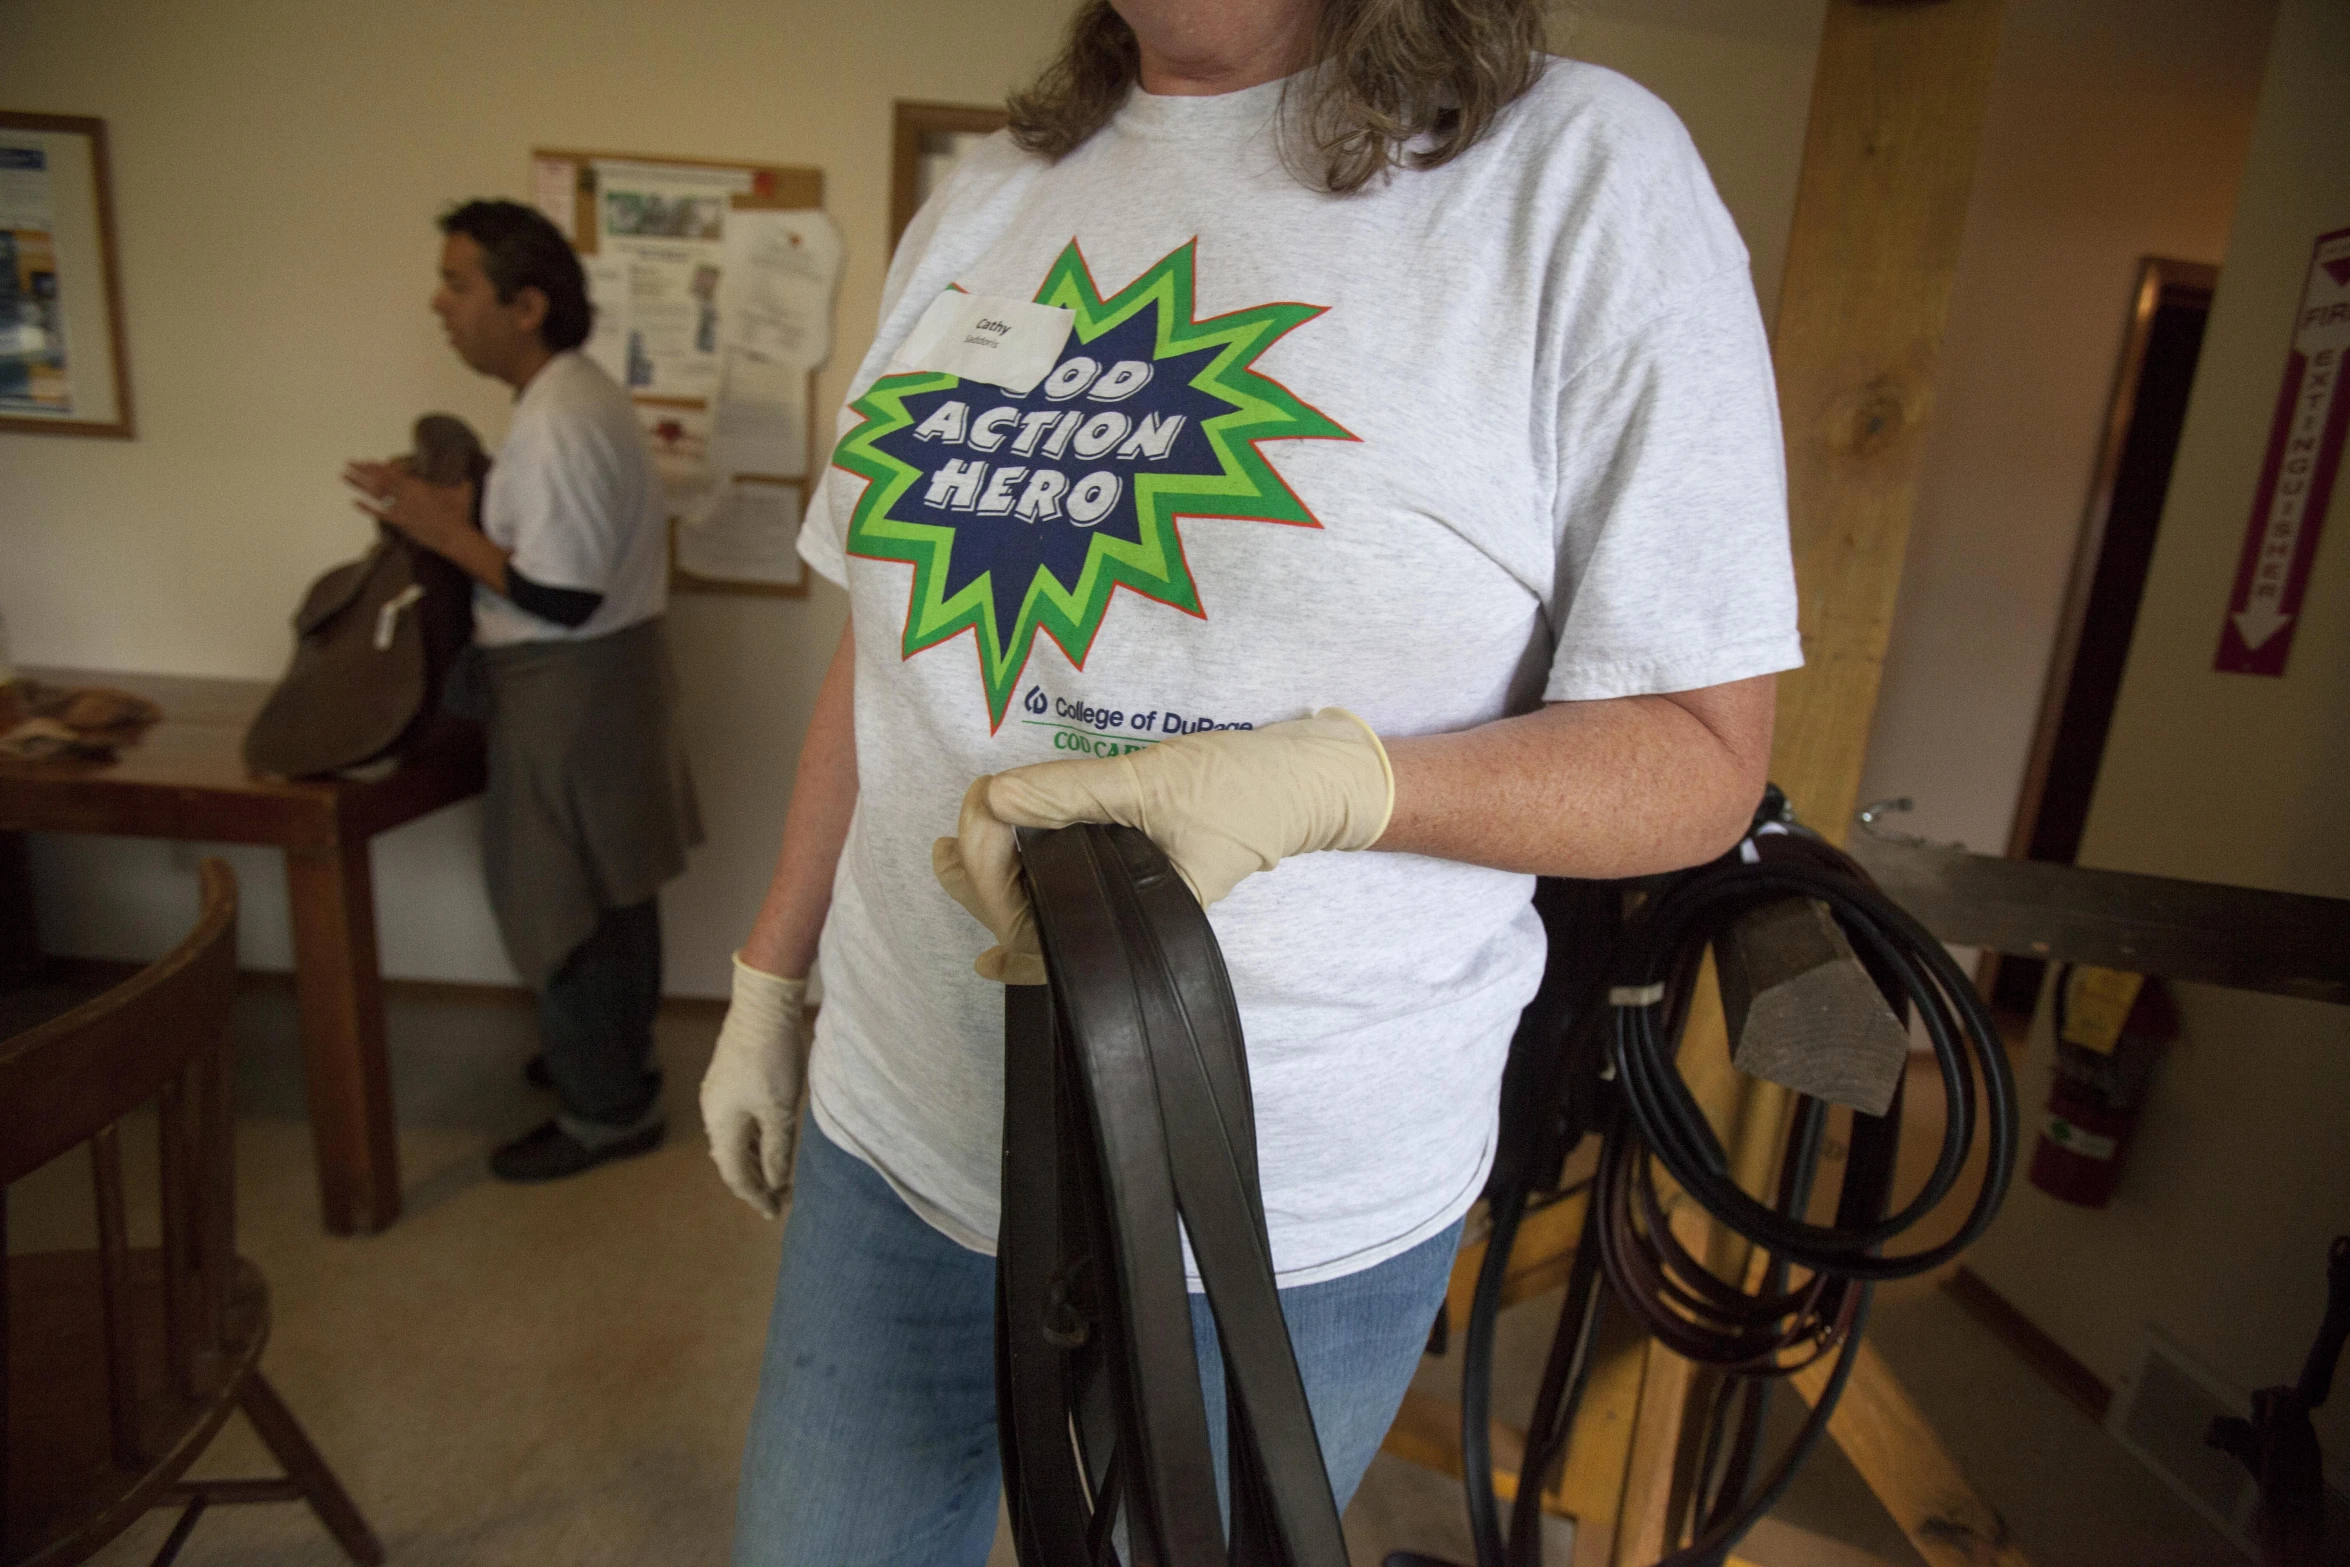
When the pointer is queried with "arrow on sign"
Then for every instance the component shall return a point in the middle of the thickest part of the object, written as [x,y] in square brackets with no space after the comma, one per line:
[2257,624]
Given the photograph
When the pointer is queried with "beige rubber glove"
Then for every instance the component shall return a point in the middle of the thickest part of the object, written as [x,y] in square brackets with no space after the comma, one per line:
[980,869]
[1223,805]
[756,1085]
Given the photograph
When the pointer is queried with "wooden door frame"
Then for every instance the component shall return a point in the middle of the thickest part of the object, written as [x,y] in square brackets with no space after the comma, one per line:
[910,122]
[2156,274]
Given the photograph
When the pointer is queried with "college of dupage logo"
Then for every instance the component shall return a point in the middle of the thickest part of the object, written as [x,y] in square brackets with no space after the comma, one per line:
[1022,513]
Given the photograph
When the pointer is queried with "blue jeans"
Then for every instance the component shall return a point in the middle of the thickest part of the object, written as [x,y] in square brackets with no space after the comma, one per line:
[873,1442]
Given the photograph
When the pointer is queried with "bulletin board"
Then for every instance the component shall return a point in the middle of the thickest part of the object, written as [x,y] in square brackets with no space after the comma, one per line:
[714,283]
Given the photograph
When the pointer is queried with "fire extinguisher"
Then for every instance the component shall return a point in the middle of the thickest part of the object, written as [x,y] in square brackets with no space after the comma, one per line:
[2111,1030]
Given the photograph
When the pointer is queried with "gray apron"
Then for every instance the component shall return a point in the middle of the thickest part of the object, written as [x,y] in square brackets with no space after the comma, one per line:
[590,804]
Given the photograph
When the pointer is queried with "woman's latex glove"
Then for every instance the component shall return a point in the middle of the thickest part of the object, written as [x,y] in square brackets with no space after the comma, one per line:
[1223,804]
[757,1082]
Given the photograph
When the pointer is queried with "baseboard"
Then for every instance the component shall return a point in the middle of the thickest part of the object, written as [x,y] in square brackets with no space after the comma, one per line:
[2037,1350]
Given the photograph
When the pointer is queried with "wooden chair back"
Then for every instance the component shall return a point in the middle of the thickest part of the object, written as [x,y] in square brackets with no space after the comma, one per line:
[160,1036]
[67,1079]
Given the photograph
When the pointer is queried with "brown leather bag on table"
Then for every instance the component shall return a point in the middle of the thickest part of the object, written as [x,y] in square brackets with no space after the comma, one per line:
[374,640]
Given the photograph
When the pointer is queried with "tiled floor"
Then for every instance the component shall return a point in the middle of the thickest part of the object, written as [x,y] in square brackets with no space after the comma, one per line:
[562,1374]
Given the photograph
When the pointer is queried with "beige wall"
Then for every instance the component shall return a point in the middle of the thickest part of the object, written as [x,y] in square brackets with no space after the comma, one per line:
[2241,1173]
[1738,72]
[277,164]
[2116,130]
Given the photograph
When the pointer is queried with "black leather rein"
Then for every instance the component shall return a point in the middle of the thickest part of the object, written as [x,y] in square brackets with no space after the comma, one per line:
[1126,1105]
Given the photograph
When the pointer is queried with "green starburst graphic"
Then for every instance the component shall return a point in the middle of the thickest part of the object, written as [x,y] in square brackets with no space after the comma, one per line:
[1070,576]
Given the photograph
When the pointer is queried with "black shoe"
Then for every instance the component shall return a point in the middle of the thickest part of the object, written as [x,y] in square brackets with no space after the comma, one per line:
[550,1153]
[535,1073]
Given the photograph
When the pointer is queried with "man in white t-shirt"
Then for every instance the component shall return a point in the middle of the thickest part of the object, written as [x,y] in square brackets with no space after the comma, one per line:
[590,807]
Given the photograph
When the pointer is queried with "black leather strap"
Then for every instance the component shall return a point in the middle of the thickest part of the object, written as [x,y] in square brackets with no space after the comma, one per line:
[1126,1105]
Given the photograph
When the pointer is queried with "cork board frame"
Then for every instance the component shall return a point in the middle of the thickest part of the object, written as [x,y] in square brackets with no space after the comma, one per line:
[774,187]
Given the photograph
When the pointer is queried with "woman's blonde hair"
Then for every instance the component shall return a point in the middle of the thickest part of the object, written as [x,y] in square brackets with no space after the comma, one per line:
[1386,72]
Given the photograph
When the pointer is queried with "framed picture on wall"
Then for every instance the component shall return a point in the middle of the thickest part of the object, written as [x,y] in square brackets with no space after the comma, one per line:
[64,368]
[927,140]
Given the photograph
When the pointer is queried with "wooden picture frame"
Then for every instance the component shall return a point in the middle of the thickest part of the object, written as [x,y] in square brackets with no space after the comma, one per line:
[64,362]
[920,133]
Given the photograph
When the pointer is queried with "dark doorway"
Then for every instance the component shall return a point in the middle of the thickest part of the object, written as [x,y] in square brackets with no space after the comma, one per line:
[2109,576]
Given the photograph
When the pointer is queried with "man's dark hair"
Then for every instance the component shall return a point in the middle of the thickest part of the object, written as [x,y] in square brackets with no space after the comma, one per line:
[521,249]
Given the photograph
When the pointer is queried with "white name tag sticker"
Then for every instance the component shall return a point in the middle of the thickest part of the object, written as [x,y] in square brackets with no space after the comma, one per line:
[1005,342]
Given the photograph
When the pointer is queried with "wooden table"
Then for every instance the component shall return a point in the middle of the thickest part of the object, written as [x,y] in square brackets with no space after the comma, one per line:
[186,779]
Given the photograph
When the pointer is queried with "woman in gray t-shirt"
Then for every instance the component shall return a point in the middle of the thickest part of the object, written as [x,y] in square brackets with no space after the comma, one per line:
[1444,474]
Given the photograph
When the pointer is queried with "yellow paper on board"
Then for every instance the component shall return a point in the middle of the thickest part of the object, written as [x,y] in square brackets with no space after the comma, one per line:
[2097,1003]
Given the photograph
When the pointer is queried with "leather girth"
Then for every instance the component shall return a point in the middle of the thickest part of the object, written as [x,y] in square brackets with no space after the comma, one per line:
[1126,1104]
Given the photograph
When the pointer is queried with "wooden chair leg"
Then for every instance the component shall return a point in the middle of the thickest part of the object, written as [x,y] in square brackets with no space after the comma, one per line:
[284,1437]
[172,1160]
[114,1298]
[178,1538]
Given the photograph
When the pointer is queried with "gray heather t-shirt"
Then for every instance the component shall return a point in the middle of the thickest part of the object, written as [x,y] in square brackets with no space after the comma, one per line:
[1478,437]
